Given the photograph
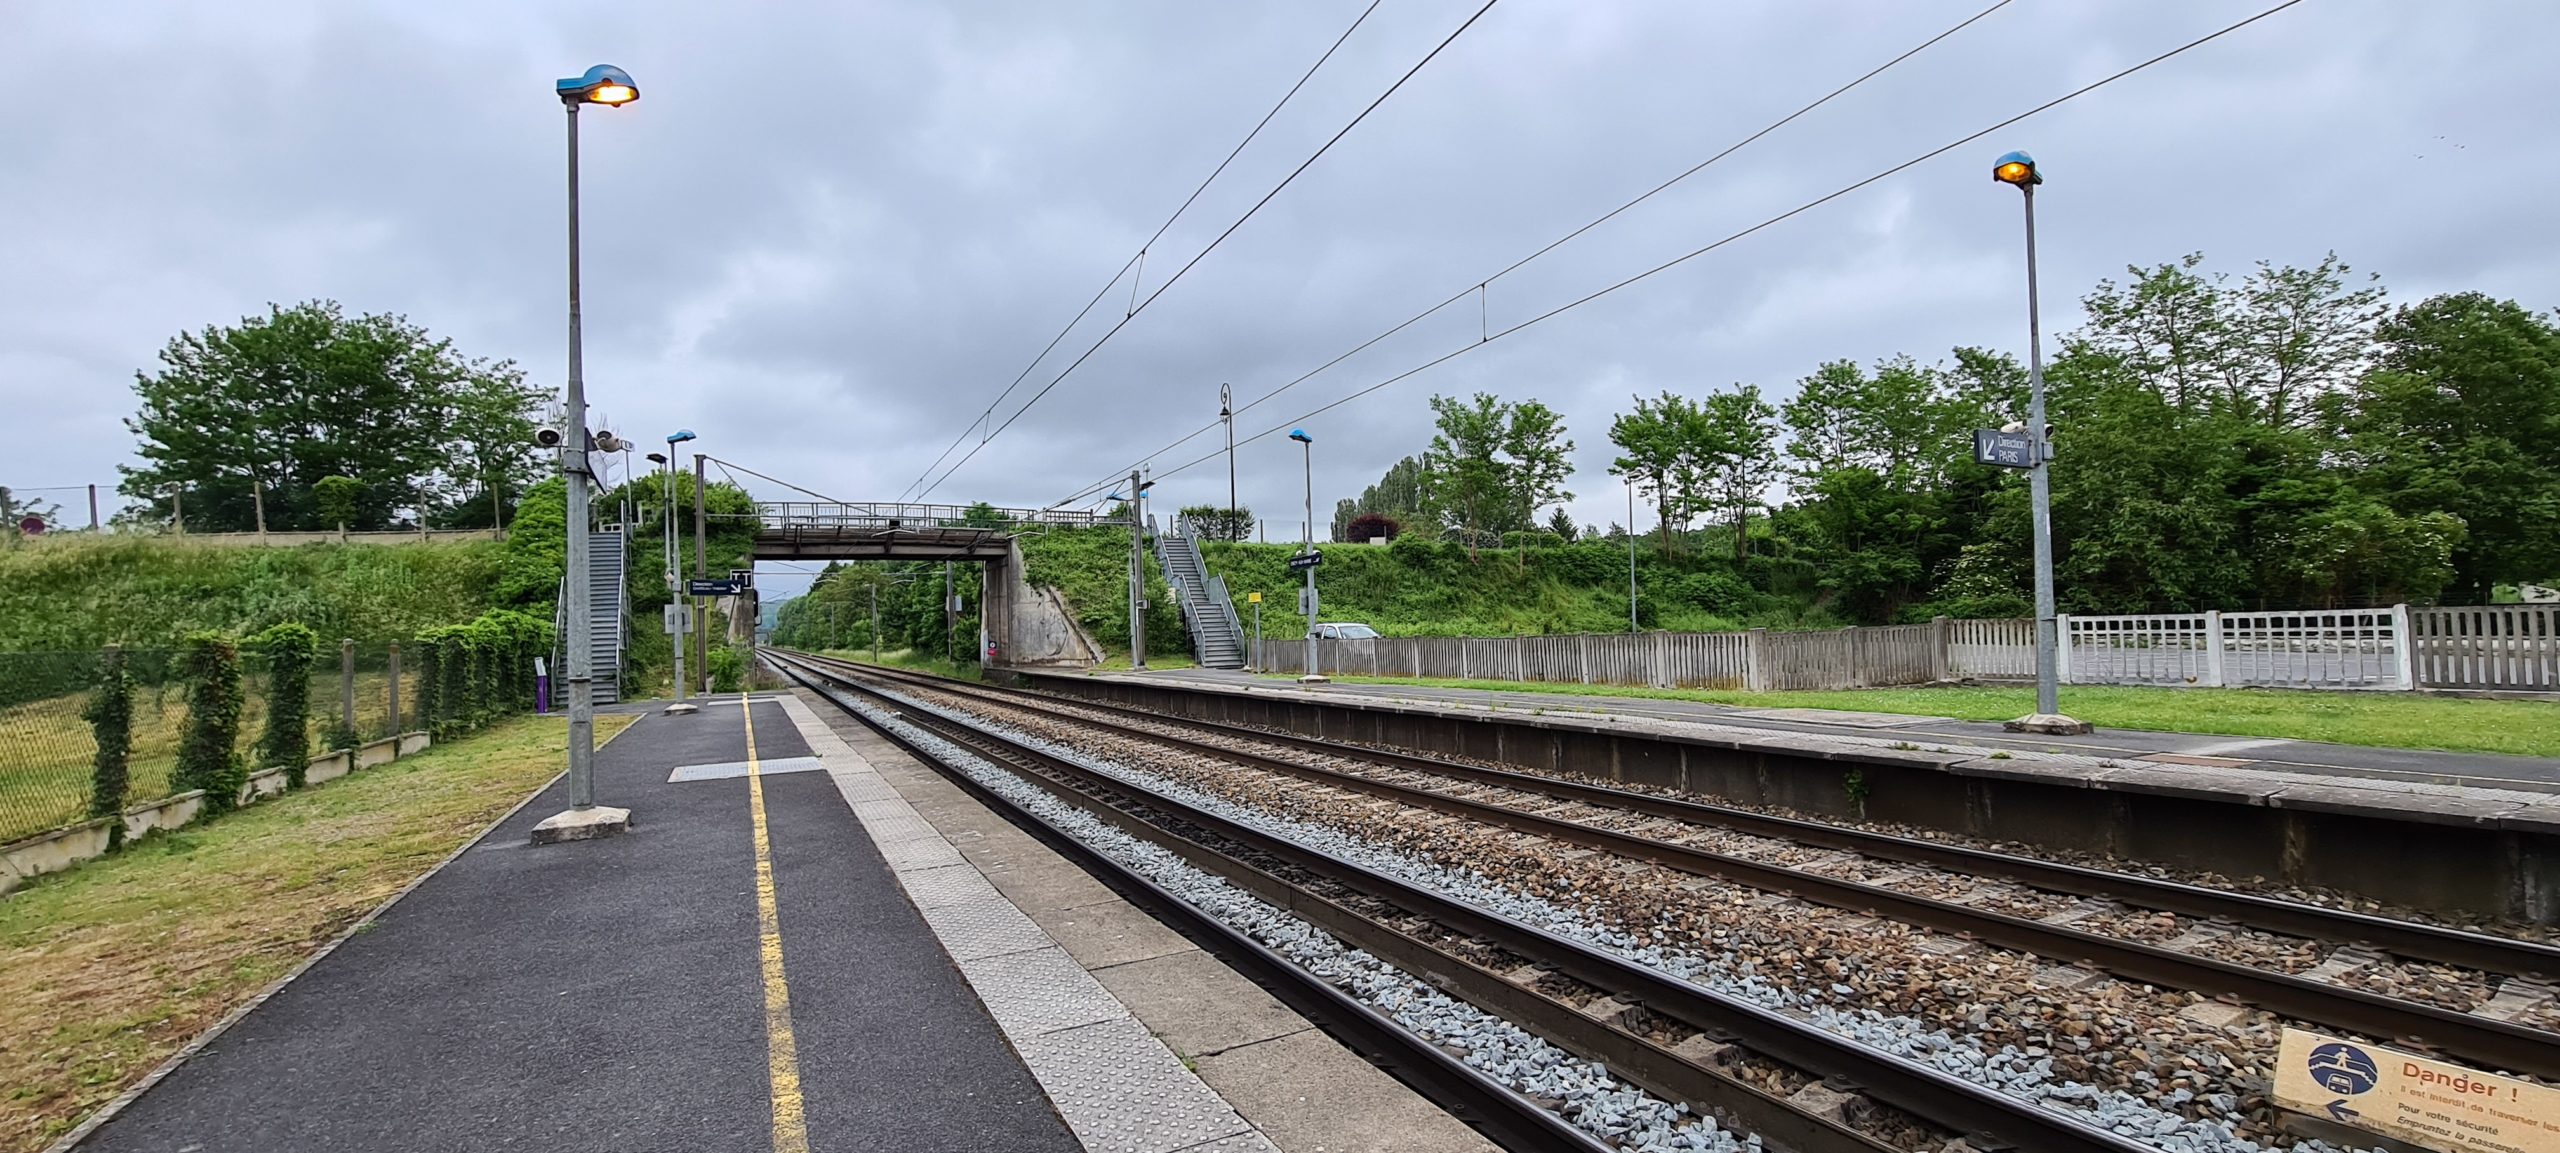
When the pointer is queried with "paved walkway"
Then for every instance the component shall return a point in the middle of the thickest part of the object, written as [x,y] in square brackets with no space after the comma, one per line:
[610,995]
[2417,765]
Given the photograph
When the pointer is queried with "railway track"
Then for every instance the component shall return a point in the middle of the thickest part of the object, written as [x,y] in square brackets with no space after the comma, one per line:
[1715,1053]
[2458,1035]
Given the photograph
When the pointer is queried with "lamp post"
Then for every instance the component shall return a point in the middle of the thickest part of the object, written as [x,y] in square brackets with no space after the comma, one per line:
[612,87]
[2018,170]
[675,577]
[1227,417]
[1307,446]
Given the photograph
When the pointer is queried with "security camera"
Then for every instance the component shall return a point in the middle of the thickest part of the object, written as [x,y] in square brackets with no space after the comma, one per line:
[546,437]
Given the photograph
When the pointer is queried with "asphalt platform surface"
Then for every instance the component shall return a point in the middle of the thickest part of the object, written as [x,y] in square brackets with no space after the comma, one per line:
[607,995]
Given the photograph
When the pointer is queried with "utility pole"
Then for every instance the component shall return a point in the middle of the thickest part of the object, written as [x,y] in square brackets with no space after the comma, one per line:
[701,618]
[950,613]
[875,620]
[1631,555]
[1137,577]
[1311,606]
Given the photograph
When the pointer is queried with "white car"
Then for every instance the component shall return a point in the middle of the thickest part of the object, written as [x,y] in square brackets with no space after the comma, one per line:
[1346,631]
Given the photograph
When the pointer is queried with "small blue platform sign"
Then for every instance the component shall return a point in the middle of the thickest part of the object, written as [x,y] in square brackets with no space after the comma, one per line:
[1306,560]
[710,588]
[2004,449]
[2344,1069]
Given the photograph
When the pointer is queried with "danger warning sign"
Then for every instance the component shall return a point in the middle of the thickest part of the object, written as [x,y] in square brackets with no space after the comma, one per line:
[2422,1102]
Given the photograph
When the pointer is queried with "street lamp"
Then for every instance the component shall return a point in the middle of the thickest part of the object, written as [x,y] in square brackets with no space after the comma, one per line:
[610,86]
[675,591]
[1307,445]
[2018,170]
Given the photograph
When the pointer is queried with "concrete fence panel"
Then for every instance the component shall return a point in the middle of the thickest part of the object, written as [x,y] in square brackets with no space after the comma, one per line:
[2508,647]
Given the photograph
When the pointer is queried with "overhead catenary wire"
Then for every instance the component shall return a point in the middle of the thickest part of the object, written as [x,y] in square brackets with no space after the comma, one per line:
[1139,260]
[1141,306]
[1782,217]
[1482,287]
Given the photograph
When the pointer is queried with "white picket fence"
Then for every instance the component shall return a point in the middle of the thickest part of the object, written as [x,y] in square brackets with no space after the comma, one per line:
[2501,647]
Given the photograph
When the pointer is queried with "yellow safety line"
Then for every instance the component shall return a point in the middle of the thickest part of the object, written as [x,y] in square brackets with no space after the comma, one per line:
[790,1127]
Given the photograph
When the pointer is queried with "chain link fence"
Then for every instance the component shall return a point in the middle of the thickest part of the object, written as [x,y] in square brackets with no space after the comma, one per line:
[48,751]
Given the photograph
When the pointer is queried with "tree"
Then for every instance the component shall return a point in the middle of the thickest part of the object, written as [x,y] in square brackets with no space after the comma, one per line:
[1658,452]
[2461,418]
[275,403]
[1494,464]
[1738,457]
[336,497]
[1398,494]
[2265,351]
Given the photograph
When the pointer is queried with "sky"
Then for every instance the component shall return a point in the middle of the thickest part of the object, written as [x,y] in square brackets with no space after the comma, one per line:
[830,234]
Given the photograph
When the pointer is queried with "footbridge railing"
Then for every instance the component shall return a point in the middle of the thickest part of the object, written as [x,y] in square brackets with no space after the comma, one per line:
[879,517]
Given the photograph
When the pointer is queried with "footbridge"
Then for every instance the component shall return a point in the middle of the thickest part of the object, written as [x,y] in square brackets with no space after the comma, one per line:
[1024,625]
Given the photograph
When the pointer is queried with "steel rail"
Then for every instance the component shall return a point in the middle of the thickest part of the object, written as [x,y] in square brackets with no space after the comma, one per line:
[1510,1119]
[1957,1104]
[2409,939]
[2509,1046]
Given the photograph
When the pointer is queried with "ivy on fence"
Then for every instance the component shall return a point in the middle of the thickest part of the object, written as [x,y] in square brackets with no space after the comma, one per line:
[110,717]
[289,649]
[476,672]
[208,749]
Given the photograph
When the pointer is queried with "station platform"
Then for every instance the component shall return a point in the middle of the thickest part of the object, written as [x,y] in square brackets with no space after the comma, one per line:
[2490,770]
[807,941]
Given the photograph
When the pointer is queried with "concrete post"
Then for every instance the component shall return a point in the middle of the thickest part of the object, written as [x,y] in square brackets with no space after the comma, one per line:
[1755,673]
[1661,660]
[2213,674]
[2404,653]
[1582,656]
[394,688]
[2062,655]
[1941,662]
[347,684]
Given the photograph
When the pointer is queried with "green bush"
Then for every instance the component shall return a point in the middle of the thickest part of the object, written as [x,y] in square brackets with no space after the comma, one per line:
[728,669]
[209,745]
[110,717]
[289,649]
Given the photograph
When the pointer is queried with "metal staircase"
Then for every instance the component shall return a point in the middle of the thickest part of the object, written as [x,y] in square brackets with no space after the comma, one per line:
[608,558]
[1217,640]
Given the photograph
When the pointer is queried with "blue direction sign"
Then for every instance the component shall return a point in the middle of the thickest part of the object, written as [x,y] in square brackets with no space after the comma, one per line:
[1306,560]
[727,588]
[2004,449]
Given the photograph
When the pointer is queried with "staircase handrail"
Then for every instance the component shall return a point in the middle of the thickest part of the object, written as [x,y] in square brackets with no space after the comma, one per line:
[1226,603]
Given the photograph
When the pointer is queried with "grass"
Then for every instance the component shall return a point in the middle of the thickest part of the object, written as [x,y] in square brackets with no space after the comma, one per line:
[116,964]
[76,594]
[46,747]
[2384,720]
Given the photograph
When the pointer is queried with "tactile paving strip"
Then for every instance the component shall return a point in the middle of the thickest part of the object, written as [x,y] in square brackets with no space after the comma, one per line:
[861,788]
[1245,1142]
[893,821]
[948,886]
[989,928]
[907,856]
[1039,992]
[1123,1092]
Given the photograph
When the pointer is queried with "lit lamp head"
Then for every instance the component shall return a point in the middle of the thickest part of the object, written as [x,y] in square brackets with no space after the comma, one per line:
[603,84]
[2017,168]
[1300,435]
